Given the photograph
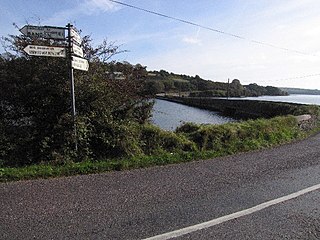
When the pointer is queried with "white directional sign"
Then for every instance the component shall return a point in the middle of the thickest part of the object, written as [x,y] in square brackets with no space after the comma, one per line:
[43,32]
[75,36]
[45,51]
[80,63]
[77,50]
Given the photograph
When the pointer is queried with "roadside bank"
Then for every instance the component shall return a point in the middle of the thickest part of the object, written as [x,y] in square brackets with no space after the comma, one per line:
[190,142]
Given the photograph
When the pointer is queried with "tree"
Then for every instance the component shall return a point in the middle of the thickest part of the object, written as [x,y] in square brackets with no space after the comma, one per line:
[35,105]
[168,85]
[153,87]
[236,89]
[255,90]
[274,91]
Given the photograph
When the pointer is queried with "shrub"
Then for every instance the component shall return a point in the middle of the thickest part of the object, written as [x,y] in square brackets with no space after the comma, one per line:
[154,140]
[35,121]
[243,136]
[187,128]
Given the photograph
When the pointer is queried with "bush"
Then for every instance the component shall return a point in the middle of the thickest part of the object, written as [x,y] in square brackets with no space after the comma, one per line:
[35,121]
[155,141]
[187,128]
[242,136]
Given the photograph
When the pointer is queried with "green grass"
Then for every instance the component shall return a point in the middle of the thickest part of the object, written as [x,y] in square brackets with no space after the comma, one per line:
[193,142]
[90,167]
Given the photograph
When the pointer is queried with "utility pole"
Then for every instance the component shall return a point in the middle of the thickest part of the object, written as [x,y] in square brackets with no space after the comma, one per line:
[71,78]
[228,89]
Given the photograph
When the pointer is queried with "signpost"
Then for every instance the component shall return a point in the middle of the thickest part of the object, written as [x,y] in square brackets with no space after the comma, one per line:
[73,48]
[45,51]
[75,63]
[77,50]
[75,36]
[44,32]
[80,63]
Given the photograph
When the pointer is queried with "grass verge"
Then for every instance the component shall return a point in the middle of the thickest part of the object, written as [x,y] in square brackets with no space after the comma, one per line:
[90,167]
[209,141]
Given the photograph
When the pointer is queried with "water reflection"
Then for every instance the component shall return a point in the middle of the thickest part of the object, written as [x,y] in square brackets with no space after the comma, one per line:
[169,115]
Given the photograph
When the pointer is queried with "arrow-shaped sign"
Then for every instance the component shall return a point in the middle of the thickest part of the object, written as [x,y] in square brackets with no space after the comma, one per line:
[43,32]
[80,63]
[75,36]
[77,50]
[45,51]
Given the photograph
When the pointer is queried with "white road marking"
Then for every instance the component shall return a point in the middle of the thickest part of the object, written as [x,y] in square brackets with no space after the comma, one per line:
[204,225]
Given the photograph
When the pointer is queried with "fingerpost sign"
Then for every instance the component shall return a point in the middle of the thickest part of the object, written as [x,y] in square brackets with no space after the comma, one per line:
[74,53]
[45,51]
[44,32]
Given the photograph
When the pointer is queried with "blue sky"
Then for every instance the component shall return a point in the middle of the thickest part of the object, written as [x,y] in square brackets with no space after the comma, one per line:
[161,43]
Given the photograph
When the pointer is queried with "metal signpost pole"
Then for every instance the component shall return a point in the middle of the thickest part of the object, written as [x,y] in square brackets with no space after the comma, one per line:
[74,62]
[73,106]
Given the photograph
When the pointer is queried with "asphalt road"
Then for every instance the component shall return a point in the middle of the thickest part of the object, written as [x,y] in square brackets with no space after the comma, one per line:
[144,203]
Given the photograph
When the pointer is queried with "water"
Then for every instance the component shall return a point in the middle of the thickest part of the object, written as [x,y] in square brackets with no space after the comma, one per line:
[169,115]
[294,98]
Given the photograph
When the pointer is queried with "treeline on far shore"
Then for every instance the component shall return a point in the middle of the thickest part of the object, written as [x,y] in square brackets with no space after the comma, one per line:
[301,91]
[165,82]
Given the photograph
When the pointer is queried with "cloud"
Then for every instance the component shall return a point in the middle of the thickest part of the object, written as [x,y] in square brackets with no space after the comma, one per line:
[95,6]
[191,40]
[242,60]
[288,7]
[87,7]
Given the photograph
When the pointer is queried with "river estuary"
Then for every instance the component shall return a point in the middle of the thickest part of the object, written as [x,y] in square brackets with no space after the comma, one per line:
[169,116]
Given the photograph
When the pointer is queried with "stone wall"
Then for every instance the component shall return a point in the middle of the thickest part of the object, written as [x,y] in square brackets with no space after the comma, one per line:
[243,109]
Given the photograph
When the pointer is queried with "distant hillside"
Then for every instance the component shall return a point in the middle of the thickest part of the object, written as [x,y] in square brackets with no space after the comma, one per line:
[301,91]
[165,82]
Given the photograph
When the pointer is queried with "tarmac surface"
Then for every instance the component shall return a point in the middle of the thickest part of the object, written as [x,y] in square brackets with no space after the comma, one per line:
[144,203]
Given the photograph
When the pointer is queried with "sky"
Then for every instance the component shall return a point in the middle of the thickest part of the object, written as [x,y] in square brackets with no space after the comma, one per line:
[289,31]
